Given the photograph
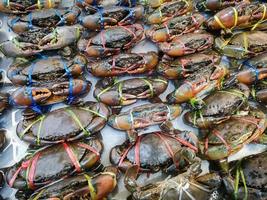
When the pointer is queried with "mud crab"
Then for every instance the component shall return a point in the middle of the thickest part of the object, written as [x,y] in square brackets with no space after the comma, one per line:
[169,10]
[242,45]
[111,16]
[128,91]
[49,93]
[249,180]
[183,67]
[43,70]
[176,26]
[83,186]
[124,63]
[219,106]
[199,85]
[20,7]
[187,44]
[54,162]
[254,70]
[157,151]
[231,135]
[83,120]
[34,42]
[214,5]
[244,15]
[111,41]
[188,185]
[44,18]
[143,116]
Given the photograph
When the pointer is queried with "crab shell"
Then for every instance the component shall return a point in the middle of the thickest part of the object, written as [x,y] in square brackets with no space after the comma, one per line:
[111,16]
[169,10]
[83,121]
[144,116]
[231,135]
[242,45]
[198,85]
[44,18]
[187,44]
[128,91]
[45,69]
[111,41]
[26,5]
[3,101]
[182,67]
[176,26]
[124,63]
[3,142]
[153,151]
[77,187]
[54,163]
[218,107]
[254,69]
[243,15]
[55,93]
[214,5]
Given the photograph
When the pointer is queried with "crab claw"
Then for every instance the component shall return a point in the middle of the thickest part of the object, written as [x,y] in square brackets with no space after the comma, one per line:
[11,7]
[130,178]
[22,96]
[182,94]
[18,27]
[74,87]
[92,22]
[60,37]
[13,48]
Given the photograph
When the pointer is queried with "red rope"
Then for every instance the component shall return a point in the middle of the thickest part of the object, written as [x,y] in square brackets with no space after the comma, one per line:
[32,170]
[72,157]
[86,146]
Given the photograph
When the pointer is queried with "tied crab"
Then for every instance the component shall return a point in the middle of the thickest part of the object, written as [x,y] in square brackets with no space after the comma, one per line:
[185,66]
[83,120]
[44,18]
[219,106]
[25,6]
[244,15]
[34,42]
[176,26]
[83,186]
[52,163]
[242,45]
[254,70]
[49,93]
[248,179]
[214,5]
[169,10]
[111,16]
[128,91]
[111,41]
[157,150]
[144,116]
[199,85]
[228,137]
[124,63]
[44,70]
[188,185]
[187,44]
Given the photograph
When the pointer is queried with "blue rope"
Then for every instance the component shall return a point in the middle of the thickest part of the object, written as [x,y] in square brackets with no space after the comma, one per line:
[30,26]
[62,19]
[247,64]
[12,22]
[101,18]
[70,97]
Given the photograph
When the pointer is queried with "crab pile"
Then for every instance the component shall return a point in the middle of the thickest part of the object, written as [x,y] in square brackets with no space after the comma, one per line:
[212,53]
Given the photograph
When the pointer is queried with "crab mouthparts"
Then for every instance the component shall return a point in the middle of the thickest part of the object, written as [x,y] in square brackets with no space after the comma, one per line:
[40,95]
[61,89]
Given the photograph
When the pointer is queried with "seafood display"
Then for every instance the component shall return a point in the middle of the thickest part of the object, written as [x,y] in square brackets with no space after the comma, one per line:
[133,99]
